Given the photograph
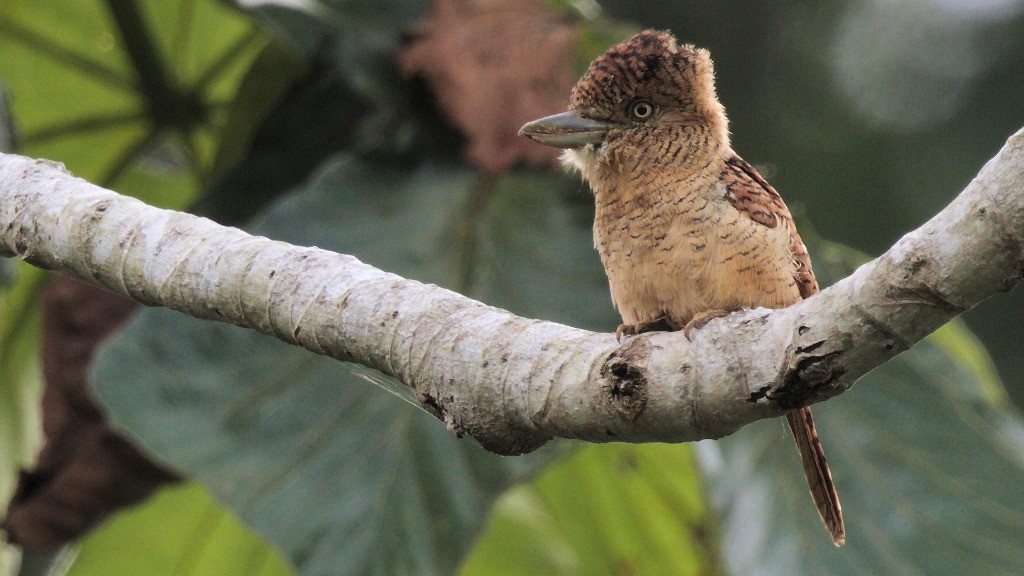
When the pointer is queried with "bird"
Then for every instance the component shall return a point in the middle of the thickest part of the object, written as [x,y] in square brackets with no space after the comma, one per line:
[687,231]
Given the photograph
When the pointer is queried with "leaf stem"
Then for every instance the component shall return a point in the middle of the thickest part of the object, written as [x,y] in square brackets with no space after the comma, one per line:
[84,124]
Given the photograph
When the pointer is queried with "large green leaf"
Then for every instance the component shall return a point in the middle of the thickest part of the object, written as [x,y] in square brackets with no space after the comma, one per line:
[141,114]
[338,473]
[927,456]
[181,531]
[608,510]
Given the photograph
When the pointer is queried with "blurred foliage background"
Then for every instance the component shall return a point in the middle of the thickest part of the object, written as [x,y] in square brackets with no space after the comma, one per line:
[385,128]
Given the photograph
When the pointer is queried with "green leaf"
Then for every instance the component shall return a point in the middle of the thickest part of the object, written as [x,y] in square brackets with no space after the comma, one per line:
[928,460]
[84,96]
[609,509]
[179,531]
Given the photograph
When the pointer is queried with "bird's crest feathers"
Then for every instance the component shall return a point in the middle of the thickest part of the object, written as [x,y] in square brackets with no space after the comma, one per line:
[650,65]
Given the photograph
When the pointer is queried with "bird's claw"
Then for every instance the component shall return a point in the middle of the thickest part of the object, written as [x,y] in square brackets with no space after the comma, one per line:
[700,320]
[659,324]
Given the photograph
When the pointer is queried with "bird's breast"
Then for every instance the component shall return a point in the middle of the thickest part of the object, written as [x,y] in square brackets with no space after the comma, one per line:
[678,254]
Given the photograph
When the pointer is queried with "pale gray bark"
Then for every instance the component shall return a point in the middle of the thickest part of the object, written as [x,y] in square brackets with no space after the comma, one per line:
[510,382]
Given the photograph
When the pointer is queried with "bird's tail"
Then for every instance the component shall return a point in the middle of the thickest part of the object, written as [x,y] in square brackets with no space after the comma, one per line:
[819,479]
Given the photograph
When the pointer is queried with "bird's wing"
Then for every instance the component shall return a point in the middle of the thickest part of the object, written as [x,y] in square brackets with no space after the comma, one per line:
[755,198]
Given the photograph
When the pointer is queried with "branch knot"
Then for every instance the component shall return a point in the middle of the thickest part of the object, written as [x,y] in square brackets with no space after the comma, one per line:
[624,379]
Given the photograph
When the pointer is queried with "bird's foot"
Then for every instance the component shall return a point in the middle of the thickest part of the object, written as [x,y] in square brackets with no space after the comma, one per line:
[659,324]
[701,319]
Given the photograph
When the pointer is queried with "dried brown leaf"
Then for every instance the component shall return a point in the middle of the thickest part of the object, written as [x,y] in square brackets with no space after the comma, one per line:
[86,470]
[495,65]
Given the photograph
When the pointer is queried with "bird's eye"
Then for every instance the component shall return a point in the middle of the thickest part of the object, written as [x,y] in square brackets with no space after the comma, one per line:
[641,109]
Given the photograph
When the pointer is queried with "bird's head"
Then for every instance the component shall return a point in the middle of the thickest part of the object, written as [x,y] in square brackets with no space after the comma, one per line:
[647,103]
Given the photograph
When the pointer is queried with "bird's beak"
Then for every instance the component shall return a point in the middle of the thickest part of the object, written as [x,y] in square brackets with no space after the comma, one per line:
[566,130]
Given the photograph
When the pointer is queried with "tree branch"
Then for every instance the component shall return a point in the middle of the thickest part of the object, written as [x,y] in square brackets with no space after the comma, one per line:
[511,382]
